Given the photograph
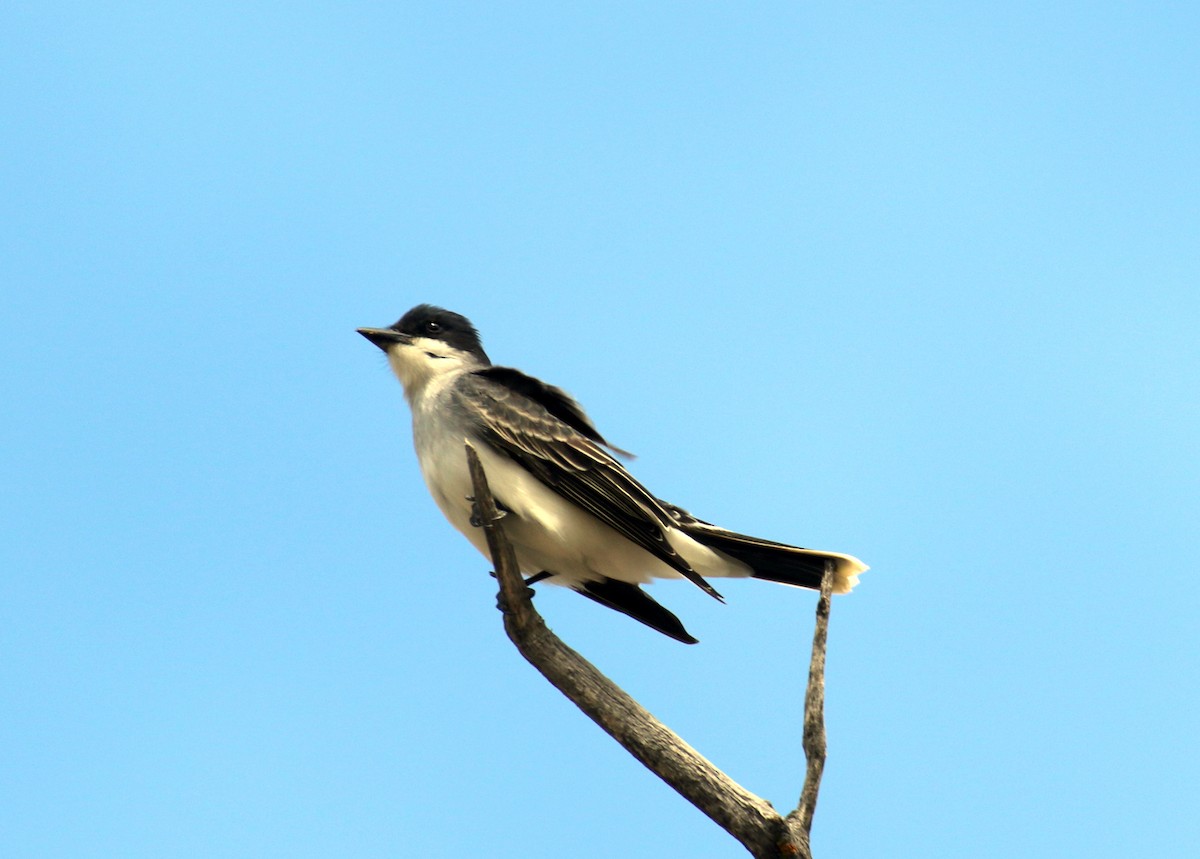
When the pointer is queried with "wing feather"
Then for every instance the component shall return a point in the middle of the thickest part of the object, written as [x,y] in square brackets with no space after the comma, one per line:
[570,462]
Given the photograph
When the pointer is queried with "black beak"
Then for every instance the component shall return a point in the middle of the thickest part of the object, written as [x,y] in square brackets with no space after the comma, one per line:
[384,337]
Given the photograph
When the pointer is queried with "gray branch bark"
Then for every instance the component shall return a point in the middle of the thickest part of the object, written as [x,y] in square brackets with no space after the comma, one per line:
[750,819]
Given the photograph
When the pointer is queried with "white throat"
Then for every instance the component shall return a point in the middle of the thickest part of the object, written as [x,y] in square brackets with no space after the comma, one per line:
[423,361]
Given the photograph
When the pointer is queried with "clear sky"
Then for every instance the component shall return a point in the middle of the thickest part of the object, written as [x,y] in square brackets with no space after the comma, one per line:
[916,281]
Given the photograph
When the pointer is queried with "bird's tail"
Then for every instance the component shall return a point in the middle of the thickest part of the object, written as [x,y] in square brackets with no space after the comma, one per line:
[779,562]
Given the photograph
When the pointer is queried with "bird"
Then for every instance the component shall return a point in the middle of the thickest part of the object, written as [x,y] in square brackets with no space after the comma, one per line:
[574,514]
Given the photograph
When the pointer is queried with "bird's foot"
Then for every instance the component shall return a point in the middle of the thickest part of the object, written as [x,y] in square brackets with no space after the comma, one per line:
[502,603]
[477,517]
[532,580]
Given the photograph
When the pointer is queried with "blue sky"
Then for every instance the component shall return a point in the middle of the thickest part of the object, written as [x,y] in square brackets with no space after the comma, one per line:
[912,281]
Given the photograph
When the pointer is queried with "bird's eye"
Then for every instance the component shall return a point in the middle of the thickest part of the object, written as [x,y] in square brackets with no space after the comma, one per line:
[433,327]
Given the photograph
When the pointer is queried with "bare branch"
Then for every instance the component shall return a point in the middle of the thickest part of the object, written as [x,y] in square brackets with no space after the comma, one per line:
[799,821]
[747,817]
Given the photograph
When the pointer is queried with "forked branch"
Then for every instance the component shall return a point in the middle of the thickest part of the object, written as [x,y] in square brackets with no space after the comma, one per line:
[747,817]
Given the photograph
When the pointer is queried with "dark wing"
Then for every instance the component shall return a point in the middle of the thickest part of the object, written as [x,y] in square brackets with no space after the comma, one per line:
[568,460]
[554,400]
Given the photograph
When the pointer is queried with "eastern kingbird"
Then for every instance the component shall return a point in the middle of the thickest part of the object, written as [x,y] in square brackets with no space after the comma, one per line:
[575,516]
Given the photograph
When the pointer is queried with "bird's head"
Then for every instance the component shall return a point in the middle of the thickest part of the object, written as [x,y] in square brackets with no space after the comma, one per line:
[427,343]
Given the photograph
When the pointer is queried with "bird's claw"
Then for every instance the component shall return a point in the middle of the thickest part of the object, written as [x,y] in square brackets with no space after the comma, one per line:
[502,603]
[476,519]
[532,580]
